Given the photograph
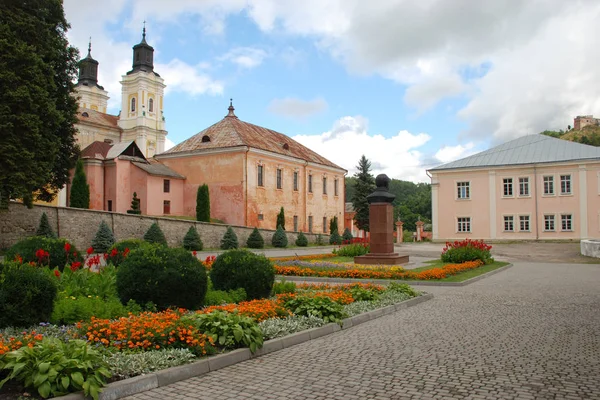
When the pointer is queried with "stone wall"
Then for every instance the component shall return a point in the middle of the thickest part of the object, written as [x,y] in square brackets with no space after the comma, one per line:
[80,226]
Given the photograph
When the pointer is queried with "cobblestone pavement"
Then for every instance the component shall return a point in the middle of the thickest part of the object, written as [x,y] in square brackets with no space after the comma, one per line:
[530,332]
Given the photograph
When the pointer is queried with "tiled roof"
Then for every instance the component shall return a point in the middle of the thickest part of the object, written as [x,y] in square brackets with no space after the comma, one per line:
[231,132]
[97,150]
[156,168]
[109,151]
[98,118]
[531,149]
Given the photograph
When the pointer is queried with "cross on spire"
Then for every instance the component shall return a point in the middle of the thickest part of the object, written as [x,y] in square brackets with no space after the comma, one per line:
[144,31]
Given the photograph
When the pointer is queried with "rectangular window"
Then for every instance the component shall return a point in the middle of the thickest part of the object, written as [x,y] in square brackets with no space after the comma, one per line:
[260,176]
[167,207]
[548,185]
[566,222]
[324,185]
[549,222]
[261,217]
[295,181]
[310,224]
[509,223]
[524,223]
[508,187]
[565,184]
[310,184]
[166,186]
[464,224]
[278,178]
[335,187]
[324,224]
[295,223]
[463,190]
[523,186]
[109,205]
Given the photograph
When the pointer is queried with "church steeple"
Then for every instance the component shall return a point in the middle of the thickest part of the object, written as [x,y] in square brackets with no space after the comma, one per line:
[88,70]
[143,55]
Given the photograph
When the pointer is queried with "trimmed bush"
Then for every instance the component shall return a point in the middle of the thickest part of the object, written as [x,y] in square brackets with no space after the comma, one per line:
[220,297]
[467,250]
[301,241]
[335,238]
[155,235]
[243,269]
[27,295]
[279,238]
[167,277]
[255,240]
[192,241]
[58,256]
[347,235]
[104,239]
[45,229]
[135,205]
[281,219]
[230,240]
[80,190]
[203,204]
[119,252]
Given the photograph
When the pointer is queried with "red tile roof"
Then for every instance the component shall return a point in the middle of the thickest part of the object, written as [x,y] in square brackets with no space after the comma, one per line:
[96,150]
[98,118]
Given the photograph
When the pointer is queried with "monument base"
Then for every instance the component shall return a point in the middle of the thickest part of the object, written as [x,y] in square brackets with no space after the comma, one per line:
[381,258]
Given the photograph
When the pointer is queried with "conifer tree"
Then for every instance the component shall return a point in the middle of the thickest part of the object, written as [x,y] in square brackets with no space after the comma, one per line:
[104,239]
[279,238]
[335,238]
[347,236]
[365,185]
[230,240]
[192,241]
[333,225]
[155,235]
[135,205]
[80,190]
[301,241]
[281,219]
[44,229]
[203,204]
[255,240]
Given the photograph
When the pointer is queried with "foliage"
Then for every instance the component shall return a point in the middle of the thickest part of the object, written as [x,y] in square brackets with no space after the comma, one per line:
[119,252]
[589,135]
[333,225]
[58,256]
[135,205]
[71,309]
[255,240]
[55,368]
[104,238]
[167,277]
[26,295]
[402,288]
[347,235]
[155,235]
[203,204]
[38,111]
[281,219]
[283,287]
[360,293]
[127,365]
[243,269]
[80,190]
[301,240]
[467,250]
[83,282]
[192,241]
[279,327]
[335,238]
[229,240]
[319,240]
[220,297]
[44,229]
[365,185]
[279,238]
[352,250]
[321,307]
[230,330]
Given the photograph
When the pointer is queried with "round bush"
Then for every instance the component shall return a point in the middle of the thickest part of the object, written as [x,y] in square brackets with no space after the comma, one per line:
[255,240]
[168,277]
[59,257]
[301,241]
[116,254]
[242,269]
[27,295]
[279,238]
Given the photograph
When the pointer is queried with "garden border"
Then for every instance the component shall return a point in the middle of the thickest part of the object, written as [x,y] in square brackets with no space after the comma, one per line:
[319,279]
[142,383]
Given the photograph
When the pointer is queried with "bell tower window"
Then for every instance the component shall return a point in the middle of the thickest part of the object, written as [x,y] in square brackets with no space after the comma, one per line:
[133,104]
[151,105]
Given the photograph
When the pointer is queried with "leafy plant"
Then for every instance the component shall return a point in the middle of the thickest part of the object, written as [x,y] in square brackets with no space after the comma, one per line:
[44,229]
[127,365]
[301,240]
[192,241]
[283,287]
[402,288]
[277,327]
[119,252]
[467,250]
[104,238]
[255,240]
[243,269]
[362,294]
[60,252]
[55,368]
[281,219]
[203,204]
[279,238]
[352,250]
[347,235]
[230,330]
[71,309]
[219,297]
[230,240]
[155,235]
[321,307]
[80,190]
[335,238]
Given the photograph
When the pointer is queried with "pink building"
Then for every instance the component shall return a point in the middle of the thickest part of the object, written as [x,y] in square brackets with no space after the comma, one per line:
[532,188]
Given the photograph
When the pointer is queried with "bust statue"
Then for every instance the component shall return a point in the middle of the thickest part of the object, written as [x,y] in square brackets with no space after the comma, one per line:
[382,192]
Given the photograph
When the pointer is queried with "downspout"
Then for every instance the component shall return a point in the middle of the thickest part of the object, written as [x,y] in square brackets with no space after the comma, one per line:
[305,222]
[535,183]
[246,187]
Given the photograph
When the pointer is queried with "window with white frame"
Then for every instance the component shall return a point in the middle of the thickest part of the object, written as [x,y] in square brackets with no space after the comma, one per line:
[463,224]
[524,223]
[507,184]
[566,222]
[549,185]
[279,173]
[524,186]
[509,223]
[565,184]
[463,190]
[549,222]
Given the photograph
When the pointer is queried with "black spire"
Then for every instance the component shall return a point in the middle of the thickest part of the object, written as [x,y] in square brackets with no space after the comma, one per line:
[88,69]
[143,55]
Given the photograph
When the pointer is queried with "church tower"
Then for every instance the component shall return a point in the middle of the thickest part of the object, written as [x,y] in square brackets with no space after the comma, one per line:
[90,94]
[141,116]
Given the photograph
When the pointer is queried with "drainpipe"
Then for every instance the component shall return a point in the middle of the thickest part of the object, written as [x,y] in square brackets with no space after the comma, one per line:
[535,182]
[246,187]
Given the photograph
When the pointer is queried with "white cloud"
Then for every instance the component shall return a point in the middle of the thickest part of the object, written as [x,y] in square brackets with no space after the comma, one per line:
[397,156]
[297,108]
[169,144]
[182,77]
[450,153]
[245,57]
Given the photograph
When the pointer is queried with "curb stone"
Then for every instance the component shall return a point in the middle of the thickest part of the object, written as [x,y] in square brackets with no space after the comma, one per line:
[138,384]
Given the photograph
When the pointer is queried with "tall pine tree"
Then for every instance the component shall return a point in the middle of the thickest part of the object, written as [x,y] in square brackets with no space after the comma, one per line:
[281,219]
[80,190]
[365,185]
[203,204]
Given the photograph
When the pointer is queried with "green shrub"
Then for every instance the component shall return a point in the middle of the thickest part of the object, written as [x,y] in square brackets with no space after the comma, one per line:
[70,309]
[335,238]
[321,307]
[220,297]
[255,240]
[230,240]
[242,269]
[467,250]
[347,235]
[104,239]
[119,252]
[80,190]
[27,295]
[279,238]
[44,229]
[333,226]
[281,219]
[167,277]
[230,330]
[402,288]
[407,236]
[283,287]
[58,254]
[192,241]
[352,250]
[155,235]
[203,204]
[55,368]
[135,205]
[361,294]
[278,327]
[128,365]
[83,282]
[301,241]
[319,240]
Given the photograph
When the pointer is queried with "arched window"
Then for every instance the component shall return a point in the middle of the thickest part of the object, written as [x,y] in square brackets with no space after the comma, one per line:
[133,104]
[85,114]
[151,105]
[205,139]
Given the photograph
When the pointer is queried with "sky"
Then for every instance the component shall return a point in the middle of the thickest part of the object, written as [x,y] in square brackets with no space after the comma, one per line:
[410,84]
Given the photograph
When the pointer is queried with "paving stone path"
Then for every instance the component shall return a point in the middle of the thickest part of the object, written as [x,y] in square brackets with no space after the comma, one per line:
[530,332]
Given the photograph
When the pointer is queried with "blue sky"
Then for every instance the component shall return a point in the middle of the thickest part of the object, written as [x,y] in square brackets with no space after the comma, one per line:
[409,84]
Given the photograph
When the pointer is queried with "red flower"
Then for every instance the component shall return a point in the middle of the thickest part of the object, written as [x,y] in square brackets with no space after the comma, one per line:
[90,250]
[75,266]
[126,251]
[194,253]
[74,254]
[105,256]
[67,247]
[114,252]
[56,273]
